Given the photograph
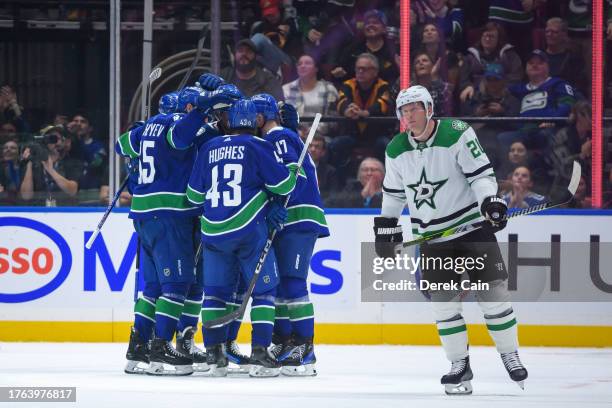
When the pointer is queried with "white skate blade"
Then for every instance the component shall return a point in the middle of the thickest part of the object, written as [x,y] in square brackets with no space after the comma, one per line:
[463,388]
[306,370]
[261,371]
[236,369]
[156,368]
[201,367]
[214,371]
[136,367]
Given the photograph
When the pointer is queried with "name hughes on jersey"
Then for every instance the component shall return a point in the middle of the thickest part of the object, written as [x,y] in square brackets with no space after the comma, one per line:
[226,153]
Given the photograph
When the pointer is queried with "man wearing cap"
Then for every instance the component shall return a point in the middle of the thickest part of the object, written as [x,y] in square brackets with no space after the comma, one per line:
[375,43]
[541,96]
[491,99]
[248,76]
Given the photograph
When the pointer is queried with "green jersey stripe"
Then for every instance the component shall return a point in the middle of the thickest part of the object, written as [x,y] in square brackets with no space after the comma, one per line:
[161,201]
[305,213]
[126,146]
[511,16]
[285,186]
[195,196]
[238,220]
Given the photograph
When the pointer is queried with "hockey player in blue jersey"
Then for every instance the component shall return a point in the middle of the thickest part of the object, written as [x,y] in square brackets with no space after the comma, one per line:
[231,180]
[293,246]
[167,226]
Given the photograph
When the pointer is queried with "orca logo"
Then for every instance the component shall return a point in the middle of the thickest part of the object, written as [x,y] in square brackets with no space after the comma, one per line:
[29,258]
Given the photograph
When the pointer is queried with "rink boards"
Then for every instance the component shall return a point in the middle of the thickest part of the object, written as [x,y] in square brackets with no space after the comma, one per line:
[53,289]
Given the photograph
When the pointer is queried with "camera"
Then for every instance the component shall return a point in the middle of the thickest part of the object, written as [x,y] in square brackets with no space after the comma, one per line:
[39,150]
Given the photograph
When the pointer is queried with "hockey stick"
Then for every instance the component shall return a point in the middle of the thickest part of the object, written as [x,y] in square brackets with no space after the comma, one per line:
[194,63]
[93,236]
[230,317]
[155,74]
[571,188]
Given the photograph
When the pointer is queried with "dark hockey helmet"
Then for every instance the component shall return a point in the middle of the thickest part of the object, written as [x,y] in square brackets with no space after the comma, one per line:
[266,106]
[188,95]
[242,115]
[168,103]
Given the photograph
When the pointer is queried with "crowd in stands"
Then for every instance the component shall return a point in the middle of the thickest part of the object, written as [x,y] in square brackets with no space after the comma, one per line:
[479,58]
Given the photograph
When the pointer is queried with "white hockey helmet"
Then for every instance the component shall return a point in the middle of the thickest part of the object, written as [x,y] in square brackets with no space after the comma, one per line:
[415,93]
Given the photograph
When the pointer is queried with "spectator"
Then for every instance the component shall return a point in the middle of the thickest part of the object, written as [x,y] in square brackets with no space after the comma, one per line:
[541,96]
[326,173]
[375,43]
[7,131]
[493,48]
[446,62]
[518,155]
[570,143]
[582,198]
[440,91]
[11,111]
[280,30]
[310,95]
[517,17]
[366,191]
[580,22]
[10,173]
[449,19]
[49,169]
[250,78]
[91,150]
[492,99]
[564,62]
[326,27]
[359,98]
[521,195]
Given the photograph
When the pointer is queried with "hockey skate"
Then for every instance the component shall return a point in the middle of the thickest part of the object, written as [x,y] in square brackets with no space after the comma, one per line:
[185,344]
[137,354]
[166,360]
[515,368]
[281,348]
[239,363]
[263,363]
[301,361]
[458,380]
[216,358]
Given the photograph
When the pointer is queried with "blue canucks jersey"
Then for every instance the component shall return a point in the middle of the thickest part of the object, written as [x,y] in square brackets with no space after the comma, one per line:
[554,97]
[163,170]
[191,130]
[305,209]
[229,179]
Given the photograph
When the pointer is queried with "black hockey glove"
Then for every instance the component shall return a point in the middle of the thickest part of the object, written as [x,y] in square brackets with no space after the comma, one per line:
[388,235]
[494,209]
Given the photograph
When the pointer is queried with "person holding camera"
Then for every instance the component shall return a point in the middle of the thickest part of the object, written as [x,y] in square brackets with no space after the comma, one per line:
[49,169]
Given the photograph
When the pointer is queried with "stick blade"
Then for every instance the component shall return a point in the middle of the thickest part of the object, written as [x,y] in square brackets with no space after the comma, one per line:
[575,180]
[155,74]
[223,320]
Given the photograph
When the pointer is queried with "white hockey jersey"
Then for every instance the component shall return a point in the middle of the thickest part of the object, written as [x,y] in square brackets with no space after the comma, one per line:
[443,180]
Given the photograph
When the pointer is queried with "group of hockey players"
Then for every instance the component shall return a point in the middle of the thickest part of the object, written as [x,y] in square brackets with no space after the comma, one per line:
[214,170]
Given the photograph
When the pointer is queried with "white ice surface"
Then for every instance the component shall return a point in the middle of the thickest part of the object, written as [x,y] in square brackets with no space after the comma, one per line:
[349,376]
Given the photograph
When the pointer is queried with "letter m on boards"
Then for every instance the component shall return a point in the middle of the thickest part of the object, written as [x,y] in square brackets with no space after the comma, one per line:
[115,277]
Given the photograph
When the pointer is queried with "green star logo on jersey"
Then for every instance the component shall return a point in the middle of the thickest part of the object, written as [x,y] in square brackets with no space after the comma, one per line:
[425,190]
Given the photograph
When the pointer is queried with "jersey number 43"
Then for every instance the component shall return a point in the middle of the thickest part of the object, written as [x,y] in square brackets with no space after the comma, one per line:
[232,176]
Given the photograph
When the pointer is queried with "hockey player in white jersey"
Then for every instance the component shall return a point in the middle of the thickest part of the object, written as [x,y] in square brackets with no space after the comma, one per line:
[439,170]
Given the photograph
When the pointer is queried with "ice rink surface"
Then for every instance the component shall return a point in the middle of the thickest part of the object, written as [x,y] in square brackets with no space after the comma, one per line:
[349,376]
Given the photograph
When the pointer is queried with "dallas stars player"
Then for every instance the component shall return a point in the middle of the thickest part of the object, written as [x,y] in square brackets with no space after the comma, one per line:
[439,169]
